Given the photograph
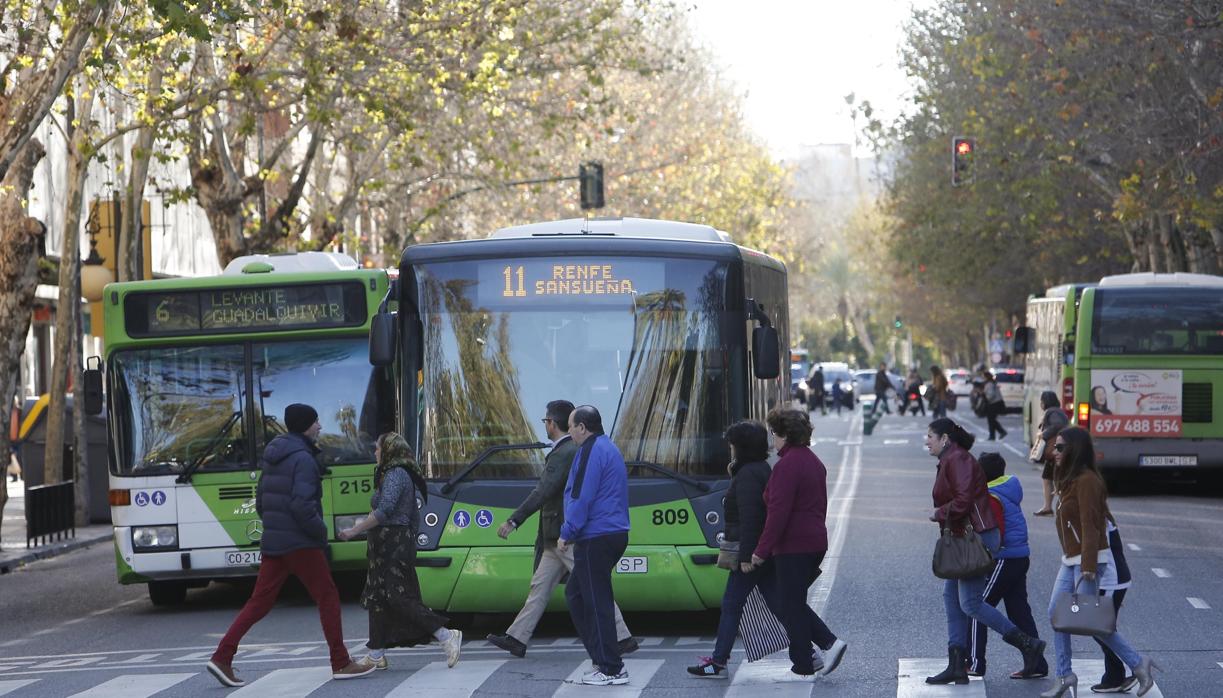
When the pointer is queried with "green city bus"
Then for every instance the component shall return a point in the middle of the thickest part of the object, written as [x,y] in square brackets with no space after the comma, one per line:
[198,373]
[672,331]
[1148,372]
[1047,344]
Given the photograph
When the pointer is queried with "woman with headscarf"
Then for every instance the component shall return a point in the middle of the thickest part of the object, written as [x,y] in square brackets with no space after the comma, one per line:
[397,615]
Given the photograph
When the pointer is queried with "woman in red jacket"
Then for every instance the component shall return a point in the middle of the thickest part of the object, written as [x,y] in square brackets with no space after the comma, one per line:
[961,500]
[795,539]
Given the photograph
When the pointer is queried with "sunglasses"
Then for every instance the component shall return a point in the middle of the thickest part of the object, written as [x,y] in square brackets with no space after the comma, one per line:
[1058,448]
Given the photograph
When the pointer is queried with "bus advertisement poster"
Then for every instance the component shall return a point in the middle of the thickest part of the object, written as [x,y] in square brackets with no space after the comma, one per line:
[1136,403]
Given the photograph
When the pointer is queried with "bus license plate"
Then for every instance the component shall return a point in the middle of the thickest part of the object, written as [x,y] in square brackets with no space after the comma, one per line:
[632,565]
[1167,460]
[243,558]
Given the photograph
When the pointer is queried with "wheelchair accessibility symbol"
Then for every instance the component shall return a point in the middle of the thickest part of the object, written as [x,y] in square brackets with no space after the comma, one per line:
[484,518]
[142,499]
[462,519]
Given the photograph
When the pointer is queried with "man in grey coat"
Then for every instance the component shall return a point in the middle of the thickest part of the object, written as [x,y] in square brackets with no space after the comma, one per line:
[551,564]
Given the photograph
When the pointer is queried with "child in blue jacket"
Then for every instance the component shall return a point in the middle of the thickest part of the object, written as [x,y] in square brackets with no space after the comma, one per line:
[1009,579]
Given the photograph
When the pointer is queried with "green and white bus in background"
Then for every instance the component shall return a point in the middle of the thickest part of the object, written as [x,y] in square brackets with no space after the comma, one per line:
[1148,372]
[1047,344]
[198,373]
[672,331]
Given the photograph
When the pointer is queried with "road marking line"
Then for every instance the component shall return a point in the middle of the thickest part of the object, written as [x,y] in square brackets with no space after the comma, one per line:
[133,686]
[1198,603]
[436,680]
[289,683]
[911,676]
[1161,572]
[895,442]
[1220,664]
[7,687]
[1095,667]
[1133,547]
[770,674]
[139,659]
[640,671]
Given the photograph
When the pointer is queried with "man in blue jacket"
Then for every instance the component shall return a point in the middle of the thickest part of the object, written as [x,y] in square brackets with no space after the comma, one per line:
[596,523]
[1009,579]
[289,499]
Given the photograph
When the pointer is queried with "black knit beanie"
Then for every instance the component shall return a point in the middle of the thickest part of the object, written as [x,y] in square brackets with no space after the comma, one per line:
[299,417]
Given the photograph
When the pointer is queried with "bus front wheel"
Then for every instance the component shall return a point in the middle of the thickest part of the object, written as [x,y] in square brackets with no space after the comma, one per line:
[167,593]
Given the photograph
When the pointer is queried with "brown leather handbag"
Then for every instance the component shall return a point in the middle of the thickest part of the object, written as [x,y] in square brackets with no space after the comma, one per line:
[960,557]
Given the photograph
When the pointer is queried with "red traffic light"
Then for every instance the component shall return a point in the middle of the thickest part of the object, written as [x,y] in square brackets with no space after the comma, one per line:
[963,147]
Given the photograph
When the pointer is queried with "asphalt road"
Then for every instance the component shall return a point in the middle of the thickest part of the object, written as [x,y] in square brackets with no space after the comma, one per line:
[66,627]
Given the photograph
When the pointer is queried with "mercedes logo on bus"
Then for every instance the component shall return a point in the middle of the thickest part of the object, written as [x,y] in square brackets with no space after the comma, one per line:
[254,531]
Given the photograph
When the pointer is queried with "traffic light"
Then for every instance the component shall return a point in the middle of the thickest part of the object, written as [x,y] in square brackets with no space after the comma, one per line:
[963,151]
[590,180]
[897,323]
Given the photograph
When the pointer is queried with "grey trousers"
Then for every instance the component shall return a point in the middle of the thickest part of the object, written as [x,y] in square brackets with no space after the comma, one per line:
[553,565]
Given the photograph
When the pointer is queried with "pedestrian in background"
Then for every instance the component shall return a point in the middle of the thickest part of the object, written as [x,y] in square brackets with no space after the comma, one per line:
[1082,516]
[938,392]
[744,514]
[815,390]
[913,394]
[795,539]
[551,565]
[596,521]
[289,500]
[838,395]
[398,616]
[1052,421]
[994,404]
[961,500]
[882,385]
[1009,580]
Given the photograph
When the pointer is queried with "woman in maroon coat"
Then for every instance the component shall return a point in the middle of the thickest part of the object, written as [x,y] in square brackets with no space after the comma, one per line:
[795,538]
[961,500]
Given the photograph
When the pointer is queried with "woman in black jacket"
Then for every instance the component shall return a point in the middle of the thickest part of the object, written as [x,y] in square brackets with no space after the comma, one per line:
[744,511]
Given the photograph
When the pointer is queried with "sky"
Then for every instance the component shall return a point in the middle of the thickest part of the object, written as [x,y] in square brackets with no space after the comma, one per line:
[796,60]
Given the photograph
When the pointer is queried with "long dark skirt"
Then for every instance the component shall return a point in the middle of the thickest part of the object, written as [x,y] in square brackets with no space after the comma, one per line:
[397,616]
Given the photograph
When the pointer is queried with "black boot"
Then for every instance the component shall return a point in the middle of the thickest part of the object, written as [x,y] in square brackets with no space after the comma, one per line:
[1033,649]
[955,671]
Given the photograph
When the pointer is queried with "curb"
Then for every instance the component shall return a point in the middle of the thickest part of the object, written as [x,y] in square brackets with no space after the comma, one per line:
[54,550]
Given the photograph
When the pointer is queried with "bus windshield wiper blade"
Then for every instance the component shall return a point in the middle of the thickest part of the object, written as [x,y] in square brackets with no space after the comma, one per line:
[664,470]
[210,448]
[475,463]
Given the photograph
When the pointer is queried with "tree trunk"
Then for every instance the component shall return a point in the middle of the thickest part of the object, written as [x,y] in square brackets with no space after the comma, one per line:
[21,239]
[1171,242]
[66,342]
[1216,236]
[132,211]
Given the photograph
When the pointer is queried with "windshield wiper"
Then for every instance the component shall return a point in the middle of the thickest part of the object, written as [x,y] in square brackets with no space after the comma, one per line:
[462,474]
[210,448]
[664,470]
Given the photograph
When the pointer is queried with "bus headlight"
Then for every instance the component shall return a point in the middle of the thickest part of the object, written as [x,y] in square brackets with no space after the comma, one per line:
[348,521]
[154,538]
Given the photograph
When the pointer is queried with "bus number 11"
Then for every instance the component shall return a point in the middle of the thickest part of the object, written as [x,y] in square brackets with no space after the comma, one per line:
[509,291]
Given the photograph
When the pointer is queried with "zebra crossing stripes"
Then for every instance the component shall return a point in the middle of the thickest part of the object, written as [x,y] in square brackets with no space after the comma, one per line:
[770,675]
[289,683]
[436,680]
[7,687]
[911,680]
[133,686]
[640,671]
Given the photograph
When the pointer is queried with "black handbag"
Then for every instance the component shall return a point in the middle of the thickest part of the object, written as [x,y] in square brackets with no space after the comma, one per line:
[728,554]
[960,557]
[1084,615]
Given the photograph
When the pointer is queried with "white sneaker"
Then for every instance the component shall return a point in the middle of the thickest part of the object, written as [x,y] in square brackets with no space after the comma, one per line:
[598,678]
[834,655]
[453,645]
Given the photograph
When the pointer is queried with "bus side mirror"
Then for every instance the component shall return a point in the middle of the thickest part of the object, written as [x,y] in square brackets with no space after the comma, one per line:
[1025,340]
[765,362]
[93,386]
[382,339]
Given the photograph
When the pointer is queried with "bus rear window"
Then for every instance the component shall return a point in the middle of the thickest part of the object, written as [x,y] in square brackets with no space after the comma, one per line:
[1157,321]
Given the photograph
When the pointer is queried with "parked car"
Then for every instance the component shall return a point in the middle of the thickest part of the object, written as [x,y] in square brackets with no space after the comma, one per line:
[798,382]
[959,381]
[1010,384]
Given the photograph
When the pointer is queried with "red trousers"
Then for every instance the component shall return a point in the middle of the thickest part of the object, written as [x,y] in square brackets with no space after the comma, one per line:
[310,566]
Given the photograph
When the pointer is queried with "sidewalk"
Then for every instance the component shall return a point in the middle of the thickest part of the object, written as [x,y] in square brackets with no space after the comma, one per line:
[14,554]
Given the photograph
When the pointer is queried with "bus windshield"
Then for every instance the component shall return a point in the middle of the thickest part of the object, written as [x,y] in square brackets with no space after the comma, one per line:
[1158,321]
[641,339]
[174,406]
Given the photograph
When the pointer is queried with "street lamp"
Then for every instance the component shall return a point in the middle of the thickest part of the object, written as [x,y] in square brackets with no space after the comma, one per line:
[94,276]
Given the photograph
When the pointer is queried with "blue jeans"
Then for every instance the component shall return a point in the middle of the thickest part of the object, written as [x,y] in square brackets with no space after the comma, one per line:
[964,601]
[738,586]
[1061,641]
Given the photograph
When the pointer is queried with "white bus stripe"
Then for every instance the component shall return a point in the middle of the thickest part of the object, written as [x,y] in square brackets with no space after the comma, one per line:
[911,681]
[133,686]
[288,683]
[640,671]
[7,687]
[436,680]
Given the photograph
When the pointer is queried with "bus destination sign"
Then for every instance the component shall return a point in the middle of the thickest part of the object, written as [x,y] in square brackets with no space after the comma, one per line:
[228,310]
[539,281]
